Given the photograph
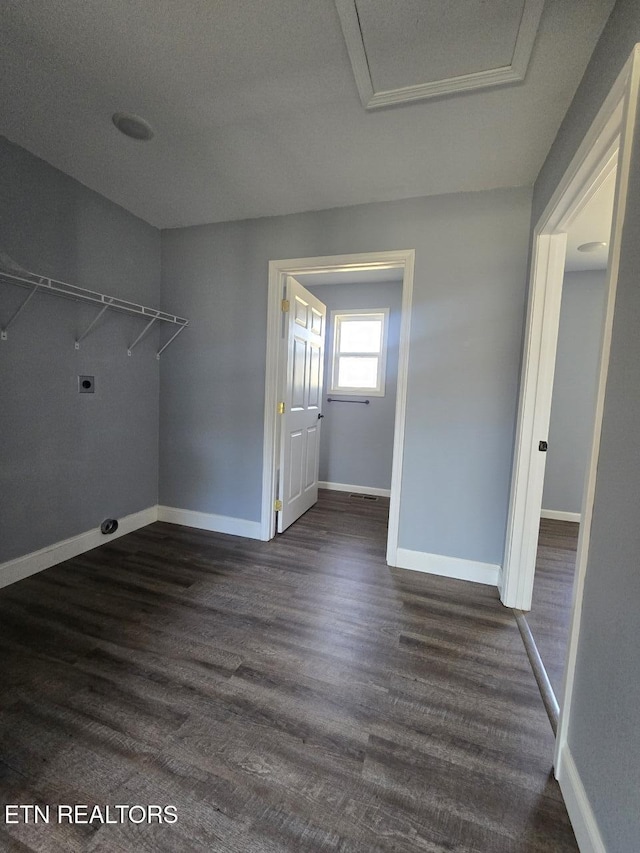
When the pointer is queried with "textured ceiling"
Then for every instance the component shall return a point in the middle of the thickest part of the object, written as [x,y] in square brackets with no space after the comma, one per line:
[255,107]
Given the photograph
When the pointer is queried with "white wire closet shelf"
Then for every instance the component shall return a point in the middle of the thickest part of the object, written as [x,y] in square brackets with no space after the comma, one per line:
[12,273]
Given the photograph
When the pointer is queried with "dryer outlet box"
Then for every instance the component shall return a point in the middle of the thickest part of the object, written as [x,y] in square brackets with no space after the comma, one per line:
[86,384]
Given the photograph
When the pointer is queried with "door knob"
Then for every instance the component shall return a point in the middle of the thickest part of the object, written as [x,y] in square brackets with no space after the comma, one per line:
[320,416]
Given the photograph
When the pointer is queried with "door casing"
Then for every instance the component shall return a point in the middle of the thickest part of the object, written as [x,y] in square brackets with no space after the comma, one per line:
[403,259]
[607,146]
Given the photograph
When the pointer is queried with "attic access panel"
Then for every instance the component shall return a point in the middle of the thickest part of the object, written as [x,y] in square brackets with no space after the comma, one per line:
[411,50]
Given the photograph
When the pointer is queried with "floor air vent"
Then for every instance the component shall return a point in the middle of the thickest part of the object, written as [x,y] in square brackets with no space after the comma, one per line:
[363,497]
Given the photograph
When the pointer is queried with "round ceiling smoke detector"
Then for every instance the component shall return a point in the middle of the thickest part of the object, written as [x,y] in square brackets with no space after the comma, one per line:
[133,126]
[592,247]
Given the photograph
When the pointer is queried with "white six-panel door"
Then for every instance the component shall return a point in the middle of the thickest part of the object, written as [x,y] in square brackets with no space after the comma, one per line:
[300,423]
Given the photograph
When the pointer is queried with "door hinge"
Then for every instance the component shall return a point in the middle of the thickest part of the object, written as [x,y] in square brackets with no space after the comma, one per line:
[281,408]
[543,446]
[277,505]
[285,306]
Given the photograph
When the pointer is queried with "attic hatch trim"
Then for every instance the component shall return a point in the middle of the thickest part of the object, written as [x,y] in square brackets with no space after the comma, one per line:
[371,99]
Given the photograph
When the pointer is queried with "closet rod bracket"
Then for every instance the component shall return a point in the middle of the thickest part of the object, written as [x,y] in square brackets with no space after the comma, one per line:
[92,324]
[16,314]
[142,334]
[171,339]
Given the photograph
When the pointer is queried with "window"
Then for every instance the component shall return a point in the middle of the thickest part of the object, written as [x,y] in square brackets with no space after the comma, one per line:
[359,352]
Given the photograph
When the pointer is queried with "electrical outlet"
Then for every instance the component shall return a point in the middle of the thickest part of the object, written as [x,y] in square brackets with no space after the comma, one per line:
[86,384]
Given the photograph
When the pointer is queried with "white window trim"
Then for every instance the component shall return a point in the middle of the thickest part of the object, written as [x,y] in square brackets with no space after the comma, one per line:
[379,390]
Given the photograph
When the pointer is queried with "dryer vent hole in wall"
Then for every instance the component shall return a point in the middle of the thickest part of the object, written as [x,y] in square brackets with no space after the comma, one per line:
[363,497]
[109,525]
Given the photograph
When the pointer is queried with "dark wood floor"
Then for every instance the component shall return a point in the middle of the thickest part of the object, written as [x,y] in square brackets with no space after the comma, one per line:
[296,695]
[550,615]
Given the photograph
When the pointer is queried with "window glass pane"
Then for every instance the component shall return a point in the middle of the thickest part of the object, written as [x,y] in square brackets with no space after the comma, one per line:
[360,335]
[357,372]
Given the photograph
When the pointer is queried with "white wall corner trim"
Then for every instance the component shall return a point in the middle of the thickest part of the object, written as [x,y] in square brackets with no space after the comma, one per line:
[578,806]
[358,490]
[560,515]
[210,521]
[500,580]
[37,561]
[448,567]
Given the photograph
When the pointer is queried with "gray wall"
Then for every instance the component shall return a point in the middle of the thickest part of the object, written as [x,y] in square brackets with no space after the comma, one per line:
[574,389]
[356,444]
[70,460]
[603,734]
[463,372]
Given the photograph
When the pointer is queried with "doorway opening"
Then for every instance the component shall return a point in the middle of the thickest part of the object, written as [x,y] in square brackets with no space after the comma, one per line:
[316,273]
[363,312]
[606,148]
[573,407]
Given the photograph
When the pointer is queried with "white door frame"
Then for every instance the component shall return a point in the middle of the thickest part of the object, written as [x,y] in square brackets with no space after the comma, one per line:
[278,271]
[606,146]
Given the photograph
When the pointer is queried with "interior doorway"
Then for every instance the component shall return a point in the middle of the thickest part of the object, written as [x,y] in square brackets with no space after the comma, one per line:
[606,148]
[397,265]
[360,379]
[573,407]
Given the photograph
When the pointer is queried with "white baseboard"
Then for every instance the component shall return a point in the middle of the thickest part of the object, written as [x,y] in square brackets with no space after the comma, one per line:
[209,521]
[578,806]
[448,567]
[559,515]
[37,561]
[358,490]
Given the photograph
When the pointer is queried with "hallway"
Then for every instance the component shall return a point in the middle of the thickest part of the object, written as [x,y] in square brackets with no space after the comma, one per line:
[550,614]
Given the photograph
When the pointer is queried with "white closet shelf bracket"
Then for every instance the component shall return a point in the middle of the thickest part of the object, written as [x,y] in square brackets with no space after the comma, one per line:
[171,339]
[16,314]
[141,335]
[91,325]
[38,283]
